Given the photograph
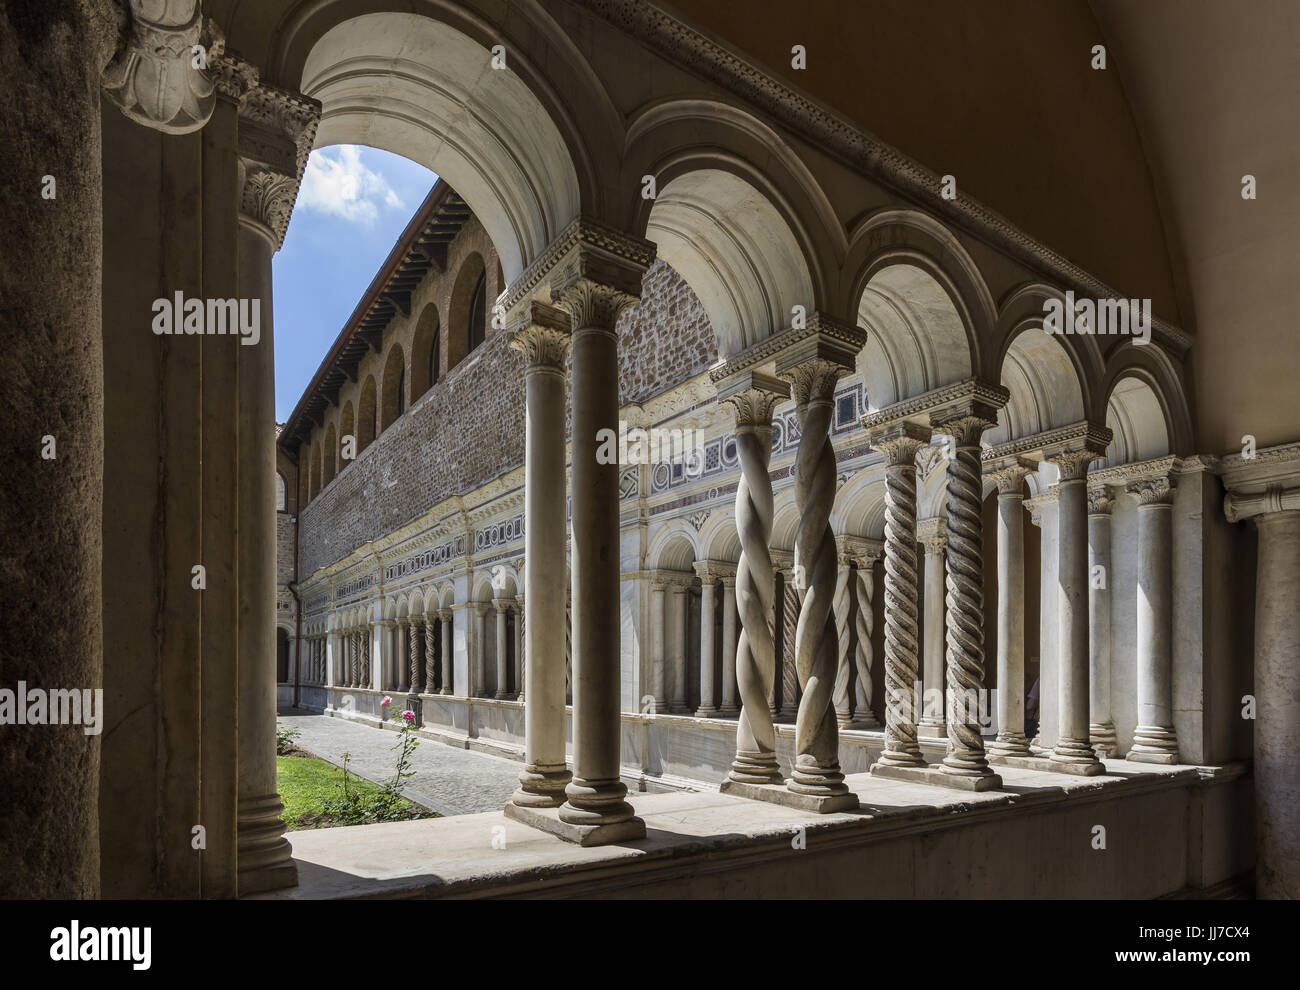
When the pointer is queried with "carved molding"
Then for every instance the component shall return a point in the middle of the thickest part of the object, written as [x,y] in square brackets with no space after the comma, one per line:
[950,401]
[543,336]
[1152,491]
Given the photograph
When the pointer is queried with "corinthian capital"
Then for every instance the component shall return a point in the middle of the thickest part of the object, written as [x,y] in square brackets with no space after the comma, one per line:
[899,442]
[752,396]
[818,356]
[543,336]
[156,78]
[1152,491]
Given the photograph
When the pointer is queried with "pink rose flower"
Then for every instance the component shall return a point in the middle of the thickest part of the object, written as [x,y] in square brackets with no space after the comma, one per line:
[386,702]
[408,715]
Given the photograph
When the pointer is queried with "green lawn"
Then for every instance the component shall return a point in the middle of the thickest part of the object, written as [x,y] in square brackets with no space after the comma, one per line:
[306,783]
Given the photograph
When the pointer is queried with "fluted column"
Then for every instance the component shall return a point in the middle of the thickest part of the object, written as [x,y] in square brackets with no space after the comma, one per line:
[1011,739]
[864,717]
[752,397]
[813,366]
[899,443]
[1154,739]
[430,685]
[730,707]
[1101,726]
[843,585]
[677,618]
[445,620]
[658,645]
[708,647]
[596,797]
[1073,750]
[933,721]
[502,644]
[965,587]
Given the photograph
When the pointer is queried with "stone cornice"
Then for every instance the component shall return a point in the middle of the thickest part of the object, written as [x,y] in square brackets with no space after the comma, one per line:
[939,404]
[1278,465]
[715,569]
[859,550]
[1120,475]
[680,43]
[1082,435]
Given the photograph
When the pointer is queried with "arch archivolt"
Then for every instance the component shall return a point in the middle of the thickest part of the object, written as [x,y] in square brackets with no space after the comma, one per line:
[674,548]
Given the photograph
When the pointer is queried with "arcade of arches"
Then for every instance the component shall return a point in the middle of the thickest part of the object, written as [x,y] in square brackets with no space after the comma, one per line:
[921,549]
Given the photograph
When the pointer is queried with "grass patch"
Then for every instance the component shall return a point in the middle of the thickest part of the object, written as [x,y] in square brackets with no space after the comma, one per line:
[314,796]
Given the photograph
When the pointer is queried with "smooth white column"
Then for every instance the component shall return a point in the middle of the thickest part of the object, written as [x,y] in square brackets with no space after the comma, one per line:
[1073,746]
[658,650]
[1011,739]
[445,619]
[521,666]
[1101,726]
[708,592]
[1043,512]
[677,620]
[730,706]
[933,722]
[1154,739]
[503,655]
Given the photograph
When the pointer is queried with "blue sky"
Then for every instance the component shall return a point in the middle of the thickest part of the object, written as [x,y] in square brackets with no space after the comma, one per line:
[352,205]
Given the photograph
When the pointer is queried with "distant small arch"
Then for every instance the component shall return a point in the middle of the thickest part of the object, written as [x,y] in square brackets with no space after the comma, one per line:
[394,391]
[331,446]
[281,493]
[467,309]
[366,415]
[425,352]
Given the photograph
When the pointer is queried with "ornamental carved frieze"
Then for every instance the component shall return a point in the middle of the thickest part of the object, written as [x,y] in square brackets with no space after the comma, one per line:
[159,77]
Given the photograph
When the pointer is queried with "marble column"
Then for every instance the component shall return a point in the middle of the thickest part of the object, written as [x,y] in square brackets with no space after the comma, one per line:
[787,675]
[445,620]
[899,444]
[1011,739]
[521,666]
[392,675]
[965,587]
[368,665]
[1101,726]
[481,648]
[502,645]
[1043,512]
[1275,511]
[752,397]
[864,717]
[813,366]
[677,621]
[415,641]
[933,723]
[730,707]
[708,647]
[354,658]
[1073,749]
[658,646]
[1154,739]
[596,797]
[431,671]
[840,699]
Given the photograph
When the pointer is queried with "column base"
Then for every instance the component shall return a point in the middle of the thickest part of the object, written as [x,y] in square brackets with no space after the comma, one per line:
[548,820]
[707,712]
[542,787]
[1008,744]
[1141,756]
[778,793]
[679,708]
[1047,764]
[1154,744]
[932,730]
[937,778]
[1101,735]
[264,856]
[729,711]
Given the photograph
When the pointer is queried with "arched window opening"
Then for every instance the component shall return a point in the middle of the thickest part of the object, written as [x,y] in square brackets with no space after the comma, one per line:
[281,494]
[281,656]
[366,414]
[477,331]
[401,392]
[433,358]
[393,394]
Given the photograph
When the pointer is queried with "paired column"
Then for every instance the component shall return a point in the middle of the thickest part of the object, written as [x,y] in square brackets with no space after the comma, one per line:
[1073,748]
[1101,726]
[843,606]
[864,622]
[899,444]
[813,366]
[1154,740]
[752,397]
[1011,739]
[544,341]
[730,706]
[708,647]
[933,723]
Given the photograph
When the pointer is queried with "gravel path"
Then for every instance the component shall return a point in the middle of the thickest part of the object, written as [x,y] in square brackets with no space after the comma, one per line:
[448,780]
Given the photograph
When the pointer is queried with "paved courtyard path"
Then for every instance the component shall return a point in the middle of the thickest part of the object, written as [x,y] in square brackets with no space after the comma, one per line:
[447,780]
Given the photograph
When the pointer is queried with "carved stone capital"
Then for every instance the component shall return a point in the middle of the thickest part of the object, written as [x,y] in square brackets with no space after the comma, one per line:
[266,196]
[1238,506]
[1073,462]
[1010,479]
[232,77]
[752,396]
[543,336]
[815,358]
[444,614]
[276,131]
[153,78]
[933,533]
[1152,491]
[1100,501]
[899,442]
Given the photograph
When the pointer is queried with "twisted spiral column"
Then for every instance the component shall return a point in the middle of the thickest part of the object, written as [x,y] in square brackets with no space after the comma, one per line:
[965,598]
[899,444]
[816,767]
[415,638]
[755,761]
[431,653]
[354,658]
[864,622]
[843,582]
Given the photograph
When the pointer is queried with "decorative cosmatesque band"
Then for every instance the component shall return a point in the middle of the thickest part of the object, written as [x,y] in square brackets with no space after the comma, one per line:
[680,43]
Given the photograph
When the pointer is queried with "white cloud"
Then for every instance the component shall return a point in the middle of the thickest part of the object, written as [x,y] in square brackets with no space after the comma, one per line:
[342,186]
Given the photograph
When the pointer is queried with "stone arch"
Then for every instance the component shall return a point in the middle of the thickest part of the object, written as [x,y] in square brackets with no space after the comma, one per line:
[1046,389]
[315,469]
[860,506]
[331,447]
[732,246]
[470,284]
[1137,410]
[393,392]
[367,424]
[427,89]
[720,539]
[347,428]
[446,595]
[923,302]
[425,352]
[281,493]
[785,521]
[1136,417]
[674,548]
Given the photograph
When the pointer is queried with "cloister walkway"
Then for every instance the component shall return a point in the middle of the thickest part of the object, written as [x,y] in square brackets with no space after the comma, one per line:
[448,780]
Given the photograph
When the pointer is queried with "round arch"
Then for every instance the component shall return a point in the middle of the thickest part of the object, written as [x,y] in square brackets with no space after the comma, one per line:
[469,284]
[1136,417]
[425,352]
[1046,390]
[366,414]
[393,393]
[674,548]
[331,445]
[347,428]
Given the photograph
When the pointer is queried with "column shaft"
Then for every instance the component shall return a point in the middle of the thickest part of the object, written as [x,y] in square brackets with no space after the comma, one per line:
[1011,739]
[708,698]
[1072,744]
[1101,726]
[729,705]
[1154,739]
